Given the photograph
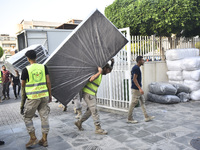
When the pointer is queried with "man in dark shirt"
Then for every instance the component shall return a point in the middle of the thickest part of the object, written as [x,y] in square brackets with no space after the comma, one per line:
[137,92]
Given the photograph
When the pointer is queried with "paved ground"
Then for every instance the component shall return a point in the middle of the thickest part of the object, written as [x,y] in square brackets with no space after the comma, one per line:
[172,129]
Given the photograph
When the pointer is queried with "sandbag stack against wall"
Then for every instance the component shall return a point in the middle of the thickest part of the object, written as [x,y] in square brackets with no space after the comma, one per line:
[167,93]
[184,68]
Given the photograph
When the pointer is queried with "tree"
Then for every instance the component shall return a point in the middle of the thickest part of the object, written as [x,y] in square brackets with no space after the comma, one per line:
[160,17]
[1,51]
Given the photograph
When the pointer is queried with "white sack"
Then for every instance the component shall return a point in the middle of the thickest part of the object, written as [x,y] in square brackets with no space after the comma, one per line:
[191,64]
[191,75]
[195,95]
[176,82]
[193,85]
[174,65]
[175,75]
[177,54]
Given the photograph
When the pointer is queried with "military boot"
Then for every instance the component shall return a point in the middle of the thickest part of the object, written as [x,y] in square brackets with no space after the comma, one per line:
[79,125]
[99,130]
[33,140]
[43,140]
[78,116]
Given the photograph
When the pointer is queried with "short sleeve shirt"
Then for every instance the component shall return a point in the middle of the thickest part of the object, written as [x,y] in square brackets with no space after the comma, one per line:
[136,70]
[25,74]
[6,75]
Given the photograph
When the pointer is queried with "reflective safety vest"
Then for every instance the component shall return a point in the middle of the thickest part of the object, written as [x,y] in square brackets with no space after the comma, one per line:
[0,77]
[36,87]
[91,87]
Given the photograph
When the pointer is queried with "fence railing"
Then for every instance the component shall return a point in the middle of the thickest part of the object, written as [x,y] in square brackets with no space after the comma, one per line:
[153,48]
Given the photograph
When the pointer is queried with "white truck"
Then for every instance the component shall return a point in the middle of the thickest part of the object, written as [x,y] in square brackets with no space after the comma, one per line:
[49,38]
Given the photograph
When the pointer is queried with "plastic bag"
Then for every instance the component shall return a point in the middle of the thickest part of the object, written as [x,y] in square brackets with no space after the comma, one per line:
[162,88]
[174,65]
[91,45]
[176,82]
[184,97]
[195,95]
[181,88]
[191,75]
[191,64]
[177,54]
[193,85]
[175,75]
[163,99]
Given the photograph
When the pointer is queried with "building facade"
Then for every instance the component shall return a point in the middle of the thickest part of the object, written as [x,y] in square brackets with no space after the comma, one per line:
[8,44]
[36,25]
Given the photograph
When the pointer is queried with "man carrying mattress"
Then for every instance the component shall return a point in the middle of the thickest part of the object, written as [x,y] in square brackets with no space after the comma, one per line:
[89,95]
[137,92]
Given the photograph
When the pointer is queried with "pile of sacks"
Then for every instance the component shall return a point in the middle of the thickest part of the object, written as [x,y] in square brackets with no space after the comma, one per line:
[167,93]
[184,68]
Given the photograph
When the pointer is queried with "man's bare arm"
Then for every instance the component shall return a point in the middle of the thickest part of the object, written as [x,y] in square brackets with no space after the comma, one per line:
[96,75]
[137,84]
[49,87]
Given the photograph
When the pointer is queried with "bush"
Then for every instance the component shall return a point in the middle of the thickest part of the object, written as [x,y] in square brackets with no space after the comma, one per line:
[1,51]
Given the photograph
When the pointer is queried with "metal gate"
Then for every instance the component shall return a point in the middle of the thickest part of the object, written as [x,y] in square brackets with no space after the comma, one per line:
[115,89]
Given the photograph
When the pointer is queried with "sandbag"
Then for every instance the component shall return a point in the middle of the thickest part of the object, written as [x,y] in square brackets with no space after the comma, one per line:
[195,95]
[181,88]
[162,88]
[193,85]
[184,97]
[175,75]
[191,75]
[191,63]
[163,99]
[174,65]
[177,54]
[176,82]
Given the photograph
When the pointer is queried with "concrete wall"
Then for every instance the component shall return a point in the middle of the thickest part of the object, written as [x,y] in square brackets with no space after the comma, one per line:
[153,72]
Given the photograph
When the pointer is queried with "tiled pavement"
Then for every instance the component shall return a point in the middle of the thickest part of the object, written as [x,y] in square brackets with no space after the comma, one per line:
[173,128]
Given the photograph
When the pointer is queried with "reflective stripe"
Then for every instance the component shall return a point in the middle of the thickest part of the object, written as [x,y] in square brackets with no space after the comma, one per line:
[95,84]
[90,89]
[37,92]
[37,84]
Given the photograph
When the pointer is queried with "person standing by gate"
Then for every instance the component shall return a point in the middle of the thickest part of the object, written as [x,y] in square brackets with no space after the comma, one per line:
[6,83]
[137,92]
[15,83]
[37,87]
[89,95]
[1,85]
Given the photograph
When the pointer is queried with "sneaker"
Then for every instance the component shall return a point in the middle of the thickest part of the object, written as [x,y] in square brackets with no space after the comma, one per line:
[2,142]
[15,98]
[4,98]
[132,121]
[1,101]
[8,98]
[149,118]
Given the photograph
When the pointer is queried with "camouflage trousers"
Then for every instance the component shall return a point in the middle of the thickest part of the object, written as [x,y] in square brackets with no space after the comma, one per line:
[31,106]
[91,109]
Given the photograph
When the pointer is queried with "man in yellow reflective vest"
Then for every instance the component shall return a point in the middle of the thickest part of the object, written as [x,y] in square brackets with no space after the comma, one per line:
[89,95]
[37,87]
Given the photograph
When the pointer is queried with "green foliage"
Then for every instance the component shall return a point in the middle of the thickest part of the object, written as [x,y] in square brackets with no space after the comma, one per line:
[1,51]
[197,45]
[160,17]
